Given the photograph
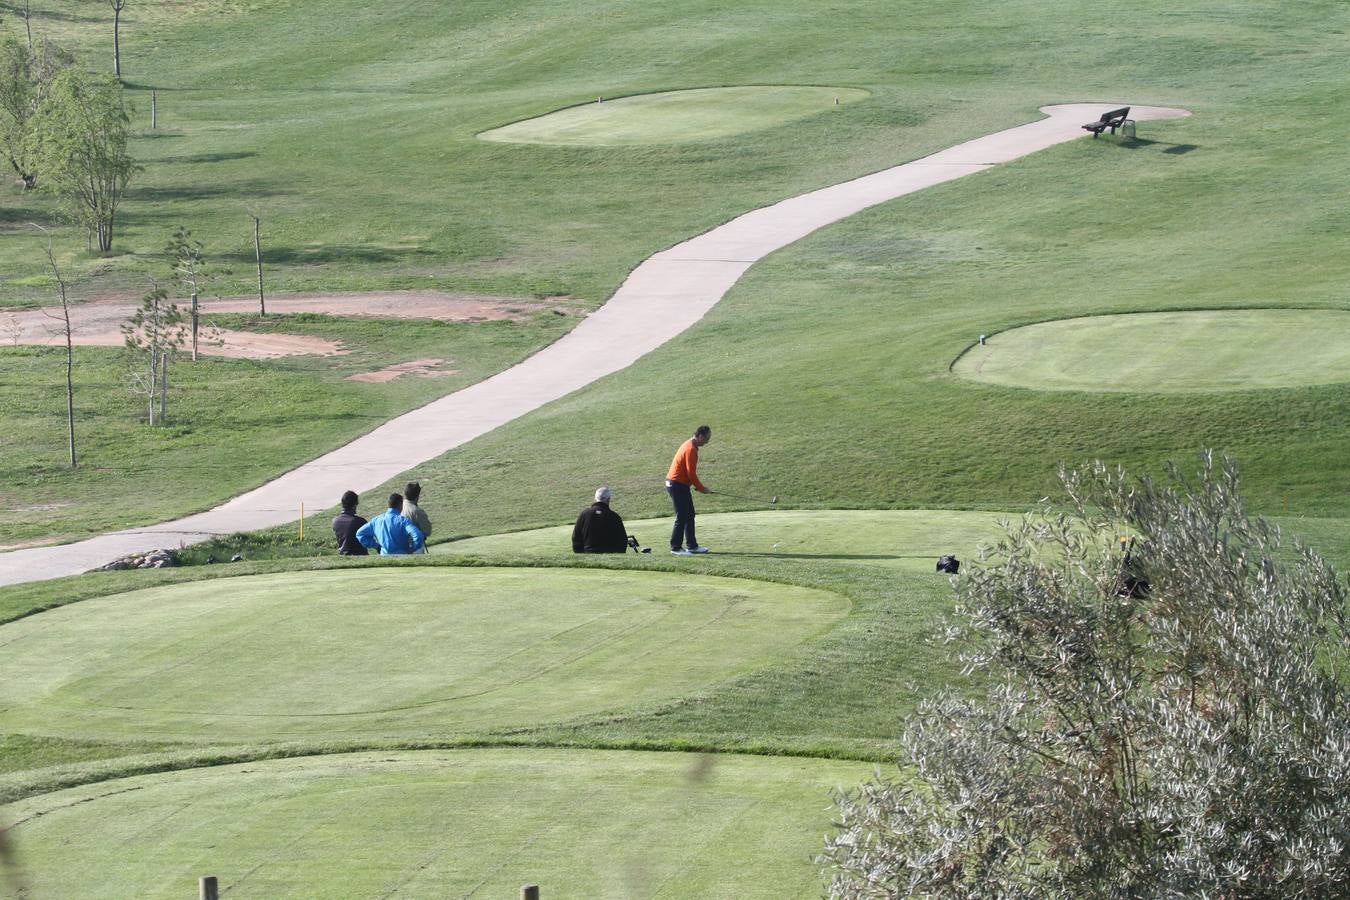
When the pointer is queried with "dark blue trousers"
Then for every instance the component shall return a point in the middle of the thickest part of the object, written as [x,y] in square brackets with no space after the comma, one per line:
[683,532]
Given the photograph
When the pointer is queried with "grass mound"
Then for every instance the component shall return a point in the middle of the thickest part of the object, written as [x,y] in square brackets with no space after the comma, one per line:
[446,823]
[388,652]
[1171,352]
[674,117]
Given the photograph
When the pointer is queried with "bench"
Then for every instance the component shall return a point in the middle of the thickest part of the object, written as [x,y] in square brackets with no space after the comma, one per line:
[1113,120]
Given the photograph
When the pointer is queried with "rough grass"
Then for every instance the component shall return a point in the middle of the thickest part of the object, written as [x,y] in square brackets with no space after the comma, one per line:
[232,425]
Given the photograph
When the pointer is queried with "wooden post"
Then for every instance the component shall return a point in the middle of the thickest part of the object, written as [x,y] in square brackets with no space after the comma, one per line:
[529,892]
[152,110]
[302,521]
[207,889]
[257,251]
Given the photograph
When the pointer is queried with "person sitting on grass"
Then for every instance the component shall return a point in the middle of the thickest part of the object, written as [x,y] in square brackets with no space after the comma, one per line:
[411,495]
[346,525]
[391,532]
[599,529]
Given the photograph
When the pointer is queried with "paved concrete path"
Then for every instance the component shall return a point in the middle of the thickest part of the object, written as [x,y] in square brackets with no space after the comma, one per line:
[661,298]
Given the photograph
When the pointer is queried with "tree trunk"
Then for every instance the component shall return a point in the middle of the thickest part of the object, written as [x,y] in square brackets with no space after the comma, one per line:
[163,387]
[257,252]
[194,326]
[117,50]
[70,391]
[150,388]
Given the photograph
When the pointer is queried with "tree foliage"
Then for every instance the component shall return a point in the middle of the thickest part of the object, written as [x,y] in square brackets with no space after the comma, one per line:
[26,76]
[1191,742]
[78,139]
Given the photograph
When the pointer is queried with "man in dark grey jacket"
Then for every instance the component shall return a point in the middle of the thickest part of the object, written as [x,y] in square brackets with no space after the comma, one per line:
[599,529]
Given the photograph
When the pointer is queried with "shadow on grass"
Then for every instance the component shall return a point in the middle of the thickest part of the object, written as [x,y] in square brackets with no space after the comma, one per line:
[1144,143]
[326,254]
[197,192]
[208,157]
[13,218]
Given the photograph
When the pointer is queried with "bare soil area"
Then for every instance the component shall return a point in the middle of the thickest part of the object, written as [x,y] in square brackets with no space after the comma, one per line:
[417,368]
[98,323]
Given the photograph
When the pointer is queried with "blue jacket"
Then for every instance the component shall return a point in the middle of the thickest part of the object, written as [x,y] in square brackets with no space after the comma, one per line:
[392,533]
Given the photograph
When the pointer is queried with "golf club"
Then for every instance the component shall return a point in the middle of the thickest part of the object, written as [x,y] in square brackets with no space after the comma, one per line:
[772,500]
[633,542]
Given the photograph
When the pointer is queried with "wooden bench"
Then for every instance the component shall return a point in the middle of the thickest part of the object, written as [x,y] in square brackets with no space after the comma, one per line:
[1113,120]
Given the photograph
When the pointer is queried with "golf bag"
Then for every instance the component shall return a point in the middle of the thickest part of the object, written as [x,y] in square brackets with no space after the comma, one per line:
[949,564]
[1131,582]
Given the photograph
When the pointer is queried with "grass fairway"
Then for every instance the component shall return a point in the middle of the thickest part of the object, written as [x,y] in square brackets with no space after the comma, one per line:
[1173,352]
[410,651]
[912,539]
[442,824]
[675,116]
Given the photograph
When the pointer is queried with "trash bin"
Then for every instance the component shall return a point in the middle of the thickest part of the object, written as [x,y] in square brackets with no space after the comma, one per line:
[1127,128]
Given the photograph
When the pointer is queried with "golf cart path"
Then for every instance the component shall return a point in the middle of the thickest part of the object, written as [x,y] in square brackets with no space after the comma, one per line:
[662,297]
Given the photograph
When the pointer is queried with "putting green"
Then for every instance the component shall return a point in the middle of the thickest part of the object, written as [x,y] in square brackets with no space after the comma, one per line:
[910,539]
[675,116]
[389,652]
[1172,352]
[442,824]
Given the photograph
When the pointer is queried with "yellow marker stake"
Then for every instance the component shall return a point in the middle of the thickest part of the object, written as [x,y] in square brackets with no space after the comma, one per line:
[302,520]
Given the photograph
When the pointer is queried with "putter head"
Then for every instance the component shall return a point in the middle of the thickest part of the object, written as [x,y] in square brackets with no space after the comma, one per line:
[646,549]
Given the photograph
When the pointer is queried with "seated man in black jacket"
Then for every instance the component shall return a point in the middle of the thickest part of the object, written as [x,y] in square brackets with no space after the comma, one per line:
[599,528]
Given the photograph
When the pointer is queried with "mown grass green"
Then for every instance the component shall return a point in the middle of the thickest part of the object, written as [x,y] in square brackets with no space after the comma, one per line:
[1174,352]
[912,539]
[389,653]
[436,823]
[675,117]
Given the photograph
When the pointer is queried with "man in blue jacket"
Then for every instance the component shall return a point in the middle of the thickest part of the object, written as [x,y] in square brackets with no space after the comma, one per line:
[391,532]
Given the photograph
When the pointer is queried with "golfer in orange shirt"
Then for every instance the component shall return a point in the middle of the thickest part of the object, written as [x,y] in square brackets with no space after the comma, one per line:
[682,476]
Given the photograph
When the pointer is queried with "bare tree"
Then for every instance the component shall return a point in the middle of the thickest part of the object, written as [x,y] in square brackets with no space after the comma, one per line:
[117,47]
[64,319]
[257,253]
[153,335]
[28,24]
[189,266]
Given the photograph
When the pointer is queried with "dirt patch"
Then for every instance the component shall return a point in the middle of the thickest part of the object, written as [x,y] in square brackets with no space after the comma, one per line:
[98,323]
[417,368]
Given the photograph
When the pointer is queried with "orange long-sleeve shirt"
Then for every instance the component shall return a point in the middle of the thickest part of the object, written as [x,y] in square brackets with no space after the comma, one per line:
[684,467]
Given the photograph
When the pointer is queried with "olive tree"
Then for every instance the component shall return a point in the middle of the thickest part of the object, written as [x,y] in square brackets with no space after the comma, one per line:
[1174,725]
[78,138]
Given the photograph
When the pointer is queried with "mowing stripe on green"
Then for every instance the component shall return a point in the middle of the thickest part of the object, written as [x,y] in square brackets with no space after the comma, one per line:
[676,117]
[1172,352]
[389,652]
[442,824]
